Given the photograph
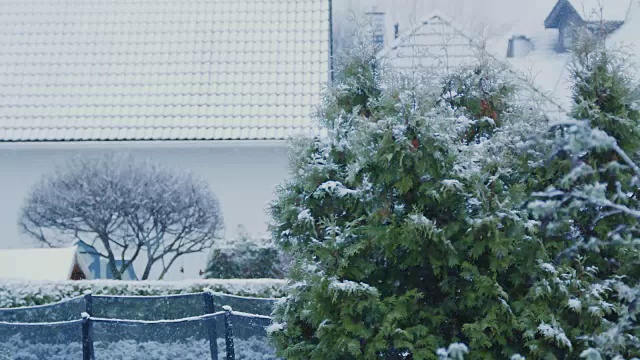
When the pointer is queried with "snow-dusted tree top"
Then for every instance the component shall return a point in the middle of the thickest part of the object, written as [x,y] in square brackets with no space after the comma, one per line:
[125,206]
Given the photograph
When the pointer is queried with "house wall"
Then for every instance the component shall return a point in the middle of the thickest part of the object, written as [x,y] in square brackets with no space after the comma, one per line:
[242,174]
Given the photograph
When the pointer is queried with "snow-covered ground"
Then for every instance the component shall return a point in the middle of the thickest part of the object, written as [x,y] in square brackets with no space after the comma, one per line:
[152,327]
[250,349]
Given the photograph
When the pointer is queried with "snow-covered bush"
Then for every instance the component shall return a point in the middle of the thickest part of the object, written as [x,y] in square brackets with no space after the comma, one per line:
[29,293]
[405,221]
[247,257]
[482,93]
[453,352]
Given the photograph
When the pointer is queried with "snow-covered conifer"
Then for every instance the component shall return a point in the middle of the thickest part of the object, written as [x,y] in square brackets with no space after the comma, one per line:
[585,196]
[406,220]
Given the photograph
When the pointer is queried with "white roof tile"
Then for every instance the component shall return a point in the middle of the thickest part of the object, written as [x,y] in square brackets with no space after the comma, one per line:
[160,69]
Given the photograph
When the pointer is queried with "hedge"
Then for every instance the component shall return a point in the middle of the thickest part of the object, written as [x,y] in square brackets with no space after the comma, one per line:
[15,293]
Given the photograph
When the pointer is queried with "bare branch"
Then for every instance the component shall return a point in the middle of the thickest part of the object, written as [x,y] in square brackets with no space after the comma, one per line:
[128,206]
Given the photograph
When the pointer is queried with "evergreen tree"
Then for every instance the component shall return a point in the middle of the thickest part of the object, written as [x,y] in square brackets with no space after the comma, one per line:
[403,221]
[429,217]
[587,201]
[482,93]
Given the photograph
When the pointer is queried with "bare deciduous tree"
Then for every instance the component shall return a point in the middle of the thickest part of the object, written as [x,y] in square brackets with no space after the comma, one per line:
[124,206]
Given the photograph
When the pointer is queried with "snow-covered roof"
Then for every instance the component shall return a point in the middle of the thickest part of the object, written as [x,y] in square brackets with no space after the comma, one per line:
[591,11]
[628,36]
[545,66]
[161,69]
[596,10]
[40,264]
[437,44]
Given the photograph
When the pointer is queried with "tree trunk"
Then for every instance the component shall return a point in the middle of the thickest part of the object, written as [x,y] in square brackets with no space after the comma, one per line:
[112,259]
[147,270]
[114,268]
[163,273]
[166,268]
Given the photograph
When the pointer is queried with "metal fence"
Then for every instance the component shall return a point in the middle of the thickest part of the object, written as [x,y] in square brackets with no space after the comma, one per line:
[139,327]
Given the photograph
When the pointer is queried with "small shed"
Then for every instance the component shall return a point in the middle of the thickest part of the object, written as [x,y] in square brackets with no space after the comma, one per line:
[46,264]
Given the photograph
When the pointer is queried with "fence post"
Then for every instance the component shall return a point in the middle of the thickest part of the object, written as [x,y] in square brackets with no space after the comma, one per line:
[228,333]
[87,337]
[87,333]
[88,302]
[212,331]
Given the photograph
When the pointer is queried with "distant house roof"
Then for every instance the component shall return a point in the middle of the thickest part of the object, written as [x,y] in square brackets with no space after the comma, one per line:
[41,264]
[588,11]
[596,10]
[161,69]
[433,43]
[545,66]
[437,44]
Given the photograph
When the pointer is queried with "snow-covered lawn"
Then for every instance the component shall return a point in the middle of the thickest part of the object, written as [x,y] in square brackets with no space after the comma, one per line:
[250,349]
[156,327]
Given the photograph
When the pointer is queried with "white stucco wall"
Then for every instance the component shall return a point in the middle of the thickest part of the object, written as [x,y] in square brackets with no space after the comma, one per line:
[242,174]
